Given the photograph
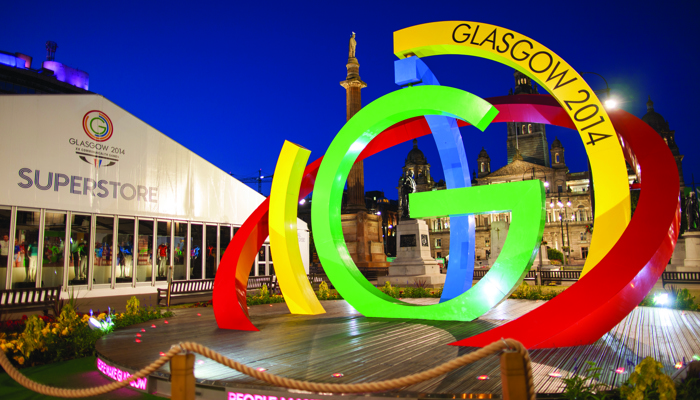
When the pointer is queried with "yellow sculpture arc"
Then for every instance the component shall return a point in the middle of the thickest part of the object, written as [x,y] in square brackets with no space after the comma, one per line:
[284,240]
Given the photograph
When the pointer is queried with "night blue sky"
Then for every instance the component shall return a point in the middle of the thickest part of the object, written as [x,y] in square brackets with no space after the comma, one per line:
[232,80]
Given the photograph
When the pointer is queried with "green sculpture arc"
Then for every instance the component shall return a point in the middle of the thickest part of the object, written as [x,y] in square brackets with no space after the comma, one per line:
[524,199]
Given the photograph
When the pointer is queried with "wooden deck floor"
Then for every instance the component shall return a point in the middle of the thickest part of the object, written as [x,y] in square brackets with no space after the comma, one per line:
[369,349]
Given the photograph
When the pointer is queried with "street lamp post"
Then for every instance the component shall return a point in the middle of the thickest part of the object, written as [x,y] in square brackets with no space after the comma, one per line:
[533,176]
[563,217]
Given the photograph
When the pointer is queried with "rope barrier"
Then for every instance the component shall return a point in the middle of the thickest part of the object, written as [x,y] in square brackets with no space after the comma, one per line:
[493,348]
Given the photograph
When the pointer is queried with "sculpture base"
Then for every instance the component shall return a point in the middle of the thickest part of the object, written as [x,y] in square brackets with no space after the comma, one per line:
[363,236]
[678,257]
[692,251]
[413,265]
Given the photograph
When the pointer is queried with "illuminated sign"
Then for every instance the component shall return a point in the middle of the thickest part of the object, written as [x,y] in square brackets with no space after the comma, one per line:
[250,396]
[119,375]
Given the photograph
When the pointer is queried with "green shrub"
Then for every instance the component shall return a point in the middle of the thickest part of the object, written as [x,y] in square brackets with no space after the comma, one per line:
[264,292]
[585,386]
[389,291]
[416,292]
[648,382]
[679,299]
[688,389]
[323,291]
[259,299]
[528,292]
[554,254]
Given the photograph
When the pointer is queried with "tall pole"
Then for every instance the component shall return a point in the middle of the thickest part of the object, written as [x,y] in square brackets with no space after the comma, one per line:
[353,84]
[561,229]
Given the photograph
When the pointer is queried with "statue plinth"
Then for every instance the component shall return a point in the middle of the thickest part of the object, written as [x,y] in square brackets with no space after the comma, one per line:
[692,252]
[413,262]
[678,256]
[363,236]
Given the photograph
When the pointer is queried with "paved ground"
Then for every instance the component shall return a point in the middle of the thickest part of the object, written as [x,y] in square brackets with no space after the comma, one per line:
[312,347]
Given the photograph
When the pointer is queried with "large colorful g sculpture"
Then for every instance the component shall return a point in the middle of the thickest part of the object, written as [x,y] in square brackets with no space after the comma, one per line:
[624,262]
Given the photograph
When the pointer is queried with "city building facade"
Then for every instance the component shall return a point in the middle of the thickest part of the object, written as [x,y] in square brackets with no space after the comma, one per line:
[569,214]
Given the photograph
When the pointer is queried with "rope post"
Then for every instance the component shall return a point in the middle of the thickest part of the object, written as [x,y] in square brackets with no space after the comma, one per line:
[182,377]
[514,376]
[170,281]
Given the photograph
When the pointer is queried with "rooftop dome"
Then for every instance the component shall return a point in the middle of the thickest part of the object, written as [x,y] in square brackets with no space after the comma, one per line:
[415,156]
[483,154]
[654,119]
[556,143]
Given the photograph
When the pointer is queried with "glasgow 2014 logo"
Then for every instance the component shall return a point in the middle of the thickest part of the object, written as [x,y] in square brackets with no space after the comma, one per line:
[98,126]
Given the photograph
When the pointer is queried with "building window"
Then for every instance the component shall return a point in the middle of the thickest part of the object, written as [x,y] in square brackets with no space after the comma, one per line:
[482,167]
[524,132]
[560,188]
[556,158]
[438,243]
[529,128]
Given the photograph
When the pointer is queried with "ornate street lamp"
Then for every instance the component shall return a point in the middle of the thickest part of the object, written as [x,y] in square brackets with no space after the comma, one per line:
[533,176]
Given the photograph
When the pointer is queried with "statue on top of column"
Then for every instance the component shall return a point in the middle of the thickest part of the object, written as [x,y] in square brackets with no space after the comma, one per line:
[353,45]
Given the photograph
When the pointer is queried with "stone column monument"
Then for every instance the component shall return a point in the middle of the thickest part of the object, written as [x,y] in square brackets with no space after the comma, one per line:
[362,230]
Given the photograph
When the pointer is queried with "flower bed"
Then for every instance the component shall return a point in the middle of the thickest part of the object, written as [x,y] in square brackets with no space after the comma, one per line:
[40,340]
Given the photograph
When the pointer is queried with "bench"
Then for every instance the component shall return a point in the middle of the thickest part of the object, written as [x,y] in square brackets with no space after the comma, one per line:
[530,276]
[371,274]
[480,273]
[195,287]
[29,299]
[680,277]
[560,276]
[257,282]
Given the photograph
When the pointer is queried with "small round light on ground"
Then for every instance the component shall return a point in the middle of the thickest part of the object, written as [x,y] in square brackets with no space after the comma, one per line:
[153,326]
[165,322]
[143,330]
[555,374]
[138,335]
[138,340]
[270,305]
[261,369]
[337,375]
[679,365]
[162,354]
[620,370]
[199,315]
[200,362]
[482,377]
